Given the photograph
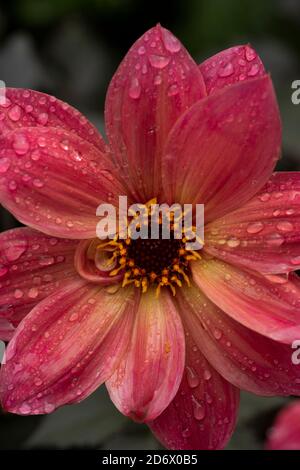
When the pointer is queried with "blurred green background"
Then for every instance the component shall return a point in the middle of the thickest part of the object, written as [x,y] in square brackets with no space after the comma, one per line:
[71,48]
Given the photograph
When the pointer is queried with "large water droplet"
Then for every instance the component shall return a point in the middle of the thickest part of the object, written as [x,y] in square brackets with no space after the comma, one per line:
[135,89]
[192,377]
[253,70]
[20,144]
[255,227]
[250,53]
[198,409]
[15,113]
[159,61]
[226,71]
[43,119]
[285,226]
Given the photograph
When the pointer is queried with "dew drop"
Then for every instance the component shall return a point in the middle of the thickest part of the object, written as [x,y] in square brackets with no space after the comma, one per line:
[226,71]
[14,113]
[285,226]
[159,61]
[255,227]
[217,333]
[253,70]
[18,294]
[4,165]
[141,50]
[275,239]
[198,409]
[33,293]
[233,242]
[207,374]
[173,90]
[249,53]
[38,183]
[192,377]
[43,119]
[265,197]
[20,144]
[135,89]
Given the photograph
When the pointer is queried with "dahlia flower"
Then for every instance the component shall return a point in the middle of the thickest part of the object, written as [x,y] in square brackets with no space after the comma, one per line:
[174,335]
[285,432]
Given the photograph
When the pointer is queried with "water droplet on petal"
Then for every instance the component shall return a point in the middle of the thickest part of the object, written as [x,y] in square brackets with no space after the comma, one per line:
[255,227]
[33,293]
[217,333]
[264,197]
[43,119]
[192,377]
[285,226]
[4,165]
[173,90]
[135,89]
[159,61]
[18,294]
[38,183]
[250,53]
[20,144]
[14,113]
[275,239]
[207,374]
[226,71]
[198,409]
[233,242]
[253,71]
[141,50]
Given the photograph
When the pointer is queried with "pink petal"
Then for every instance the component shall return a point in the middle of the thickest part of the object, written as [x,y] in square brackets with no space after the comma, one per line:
[223,149]
[264,234]
[285,433]
[245,358]
[28,108]
[6,330]
[150,373]
[66,347]
[156,82]
[230,66]
[54,181]
[203,413]
[266,304]
[32,266]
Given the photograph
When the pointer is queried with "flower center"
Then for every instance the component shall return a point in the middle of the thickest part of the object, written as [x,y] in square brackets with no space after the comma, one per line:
[146,261]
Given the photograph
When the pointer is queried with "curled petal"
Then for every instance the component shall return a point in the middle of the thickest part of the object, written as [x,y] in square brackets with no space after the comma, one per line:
[203,413]
[54,181]
[32,266]
[29,108]
[156,82]
[264,234]
[266,304]
[245,358]
[224,148]
[285,432]
[65,348]
[230,66]
[150,373]
[91,267]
